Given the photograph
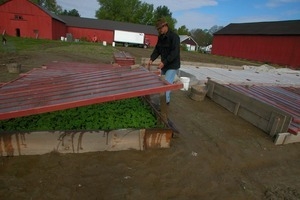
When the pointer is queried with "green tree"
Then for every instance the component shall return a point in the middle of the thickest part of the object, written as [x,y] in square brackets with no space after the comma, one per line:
[183,31]
[202,37]
[163,11]
[214,29]
[2,1]
[72,12]
[144,14]
[50,5]
[133,11]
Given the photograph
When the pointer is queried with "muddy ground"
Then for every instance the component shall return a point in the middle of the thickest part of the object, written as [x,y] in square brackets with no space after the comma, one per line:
[215,155]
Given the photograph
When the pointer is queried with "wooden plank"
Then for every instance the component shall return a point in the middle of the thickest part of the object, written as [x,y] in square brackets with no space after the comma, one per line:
[276,123]
[163,107]
[231,98]
[264,116]
[253,118]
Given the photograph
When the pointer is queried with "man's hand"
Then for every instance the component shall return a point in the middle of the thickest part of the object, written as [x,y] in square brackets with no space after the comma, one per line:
[149,64]
[161,65]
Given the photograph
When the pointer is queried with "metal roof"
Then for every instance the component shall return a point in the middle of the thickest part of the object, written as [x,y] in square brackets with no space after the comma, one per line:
[102,24]
[290,27]
[62,85]
[187,37]
[53,15]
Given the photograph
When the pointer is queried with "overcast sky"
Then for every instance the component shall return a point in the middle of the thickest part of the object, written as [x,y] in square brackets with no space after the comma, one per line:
[204,14]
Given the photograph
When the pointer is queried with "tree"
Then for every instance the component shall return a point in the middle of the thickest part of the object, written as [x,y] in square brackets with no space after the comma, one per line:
[183,31]
[72,12]
[214,29]
[50,5]
[144,14]
[202,37]
[163,11]
[3,1]
[133,11]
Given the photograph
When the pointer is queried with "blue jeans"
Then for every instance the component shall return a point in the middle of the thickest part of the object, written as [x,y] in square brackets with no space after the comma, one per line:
[169,76]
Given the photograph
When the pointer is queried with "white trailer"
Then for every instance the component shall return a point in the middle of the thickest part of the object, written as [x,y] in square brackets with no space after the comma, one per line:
[130,38]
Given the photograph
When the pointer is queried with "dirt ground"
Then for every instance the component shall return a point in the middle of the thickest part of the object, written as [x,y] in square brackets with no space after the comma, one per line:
[215,155]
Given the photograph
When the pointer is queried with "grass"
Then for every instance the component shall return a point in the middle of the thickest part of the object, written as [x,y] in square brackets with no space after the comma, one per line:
[32,53]
[16,45]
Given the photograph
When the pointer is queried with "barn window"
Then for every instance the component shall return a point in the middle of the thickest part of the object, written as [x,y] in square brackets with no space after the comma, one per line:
[18,17]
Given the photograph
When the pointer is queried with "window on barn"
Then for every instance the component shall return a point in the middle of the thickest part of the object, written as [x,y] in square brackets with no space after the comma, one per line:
[18,17]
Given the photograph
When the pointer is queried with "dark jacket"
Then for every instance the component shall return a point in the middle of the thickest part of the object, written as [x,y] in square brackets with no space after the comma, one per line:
[168,47]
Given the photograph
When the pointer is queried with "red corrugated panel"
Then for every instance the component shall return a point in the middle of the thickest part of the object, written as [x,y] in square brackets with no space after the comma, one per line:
[284,98]
[66,85]
[123,58]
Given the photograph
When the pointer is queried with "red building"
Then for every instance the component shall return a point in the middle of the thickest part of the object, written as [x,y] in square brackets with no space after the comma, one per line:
[268,42]
[23,18]
[190,43]
[104,29]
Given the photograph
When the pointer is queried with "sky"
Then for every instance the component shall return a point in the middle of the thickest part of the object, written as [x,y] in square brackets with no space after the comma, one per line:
[204,14]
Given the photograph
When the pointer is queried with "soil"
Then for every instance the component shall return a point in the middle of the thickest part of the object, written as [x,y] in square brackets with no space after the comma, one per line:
[215,155]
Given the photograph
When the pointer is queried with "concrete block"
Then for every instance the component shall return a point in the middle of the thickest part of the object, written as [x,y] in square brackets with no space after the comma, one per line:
[286,138]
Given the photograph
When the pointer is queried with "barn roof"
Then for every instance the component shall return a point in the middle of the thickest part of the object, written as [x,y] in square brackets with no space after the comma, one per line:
[291,27]
[107,24]
[54,16]
[186,37]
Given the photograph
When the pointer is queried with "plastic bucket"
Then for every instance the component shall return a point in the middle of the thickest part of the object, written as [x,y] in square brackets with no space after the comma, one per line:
[104,43]
[186,82]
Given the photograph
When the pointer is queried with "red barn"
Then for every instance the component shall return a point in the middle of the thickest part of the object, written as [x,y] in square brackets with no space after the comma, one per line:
[269,42]
[104,29]
[23,18]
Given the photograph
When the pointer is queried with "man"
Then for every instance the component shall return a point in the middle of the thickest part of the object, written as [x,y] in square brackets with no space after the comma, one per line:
[168,48]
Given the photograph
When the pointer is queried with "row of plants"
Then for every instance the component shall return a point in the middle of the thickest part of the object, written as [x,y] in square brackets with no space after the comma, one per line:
[127,113]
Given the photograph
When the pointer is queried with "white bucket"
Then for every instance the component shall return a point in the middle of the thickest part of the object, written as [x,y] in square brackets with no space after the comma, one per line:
[104,43]
[62,38]
[186,82]
[113,44]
